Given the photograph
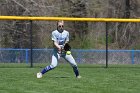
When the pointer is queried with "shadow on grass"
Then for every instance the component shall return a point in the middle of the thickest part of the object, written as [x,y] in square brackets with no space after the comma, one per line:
[59,77]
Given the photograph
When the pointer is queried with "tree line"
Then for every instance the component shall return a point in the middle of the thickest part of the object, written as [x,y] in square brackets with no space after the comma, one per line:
[87,35]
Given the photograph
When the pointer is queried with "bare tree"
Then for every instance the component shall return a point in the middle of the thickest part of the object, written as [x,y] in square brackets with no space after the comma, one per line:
[123,35]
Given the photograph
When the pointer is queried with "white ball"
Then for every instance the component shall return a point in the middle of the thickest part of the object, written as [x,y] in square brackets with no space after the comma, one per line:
[39,75]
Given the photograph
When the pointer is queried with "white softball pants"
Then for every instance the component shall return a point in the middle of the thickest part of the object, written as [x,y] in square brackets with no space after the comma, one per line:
[56,56]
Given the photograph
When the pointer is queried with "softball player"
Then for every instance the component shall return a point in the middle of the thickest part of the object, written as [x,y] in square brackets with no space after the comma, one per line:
[60,37]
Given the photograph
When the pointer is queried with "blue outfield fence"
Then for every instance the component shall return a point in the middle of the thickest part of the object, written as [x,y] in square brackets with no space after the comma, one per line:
[9,55]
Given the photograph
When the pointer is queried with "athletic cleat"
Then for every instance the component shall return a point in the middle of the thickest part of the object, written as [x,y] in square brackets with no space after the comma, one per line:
[79,76]
[39,75]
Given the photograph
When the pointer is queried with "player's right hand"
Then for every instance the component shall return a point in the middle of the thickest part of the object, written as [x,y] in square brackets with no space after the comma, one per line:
[59,49]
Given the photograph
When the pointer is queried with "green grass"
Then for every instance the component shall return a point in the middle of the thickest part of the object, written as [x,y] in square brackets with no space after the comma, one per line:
[95,79]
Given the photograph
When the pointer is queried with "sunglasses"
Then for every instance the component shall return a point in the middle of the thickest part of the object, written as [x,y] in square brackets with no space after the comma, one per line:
[60,26]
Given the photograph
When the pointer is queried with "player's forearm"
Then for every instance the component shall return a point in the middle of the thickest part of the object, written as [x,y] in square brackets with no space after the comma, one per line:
[56,45]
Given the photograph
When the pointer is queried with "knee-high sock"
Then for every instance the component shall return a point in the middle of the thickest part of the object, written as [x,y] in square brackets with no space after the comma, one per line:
[75,69]
[46,69]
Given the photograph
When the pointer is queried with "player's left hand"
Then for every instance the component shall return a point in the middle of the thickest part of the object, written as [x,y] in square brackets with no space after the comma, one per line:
[67,47]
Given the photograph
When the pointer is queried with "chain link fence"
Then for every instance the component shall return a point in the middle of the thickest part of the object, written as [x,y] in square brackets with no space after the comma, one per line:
[43,56]
[87,39]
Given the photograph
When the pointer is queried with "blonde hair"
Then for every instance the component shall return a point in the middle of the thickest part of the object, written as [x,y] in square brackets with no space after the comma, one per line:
[60,22]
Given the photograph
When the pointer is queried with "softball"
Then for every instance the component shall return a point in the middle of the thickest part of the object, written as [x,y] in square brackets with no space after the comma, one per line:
[68,52]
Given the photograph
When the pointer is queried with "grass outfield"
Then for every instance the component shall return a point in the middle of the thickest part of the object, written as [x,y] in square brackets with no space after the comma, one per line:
[95,79]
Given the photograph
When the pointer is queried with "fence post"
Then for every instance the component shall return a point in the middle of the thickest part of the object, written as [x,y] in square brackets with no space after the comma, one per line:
[106,44]
[31,48]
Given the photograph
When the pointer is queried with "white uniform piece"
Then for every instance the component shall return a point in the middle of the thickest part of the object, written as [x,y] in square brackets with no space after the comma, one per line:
[61,38]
